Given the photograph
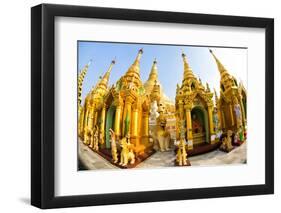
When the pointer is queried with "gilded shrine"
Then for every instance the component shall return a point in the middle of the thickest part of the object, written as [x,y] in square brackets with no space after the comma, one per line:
[129,121]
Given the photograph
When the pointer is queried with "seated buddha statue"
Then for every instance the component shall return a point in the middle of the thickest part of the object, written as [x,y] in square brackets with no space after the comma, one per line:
[196,125]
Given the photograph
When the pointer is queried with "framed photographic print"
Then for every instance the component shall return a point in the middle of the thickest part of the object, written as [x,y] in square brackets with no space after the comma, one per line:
[139,106]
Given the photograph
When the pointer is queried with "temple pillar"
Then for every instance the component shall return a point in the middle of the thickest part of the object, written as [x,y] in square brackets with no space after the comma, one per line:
[134,125]
[127,112]
[90,120]
[102,124]
[145,127]
[181,110]
[189,128]
[180,116]
[231,114]
[135,128]
[223,121]
[211,124]
[117,120]
[95,122]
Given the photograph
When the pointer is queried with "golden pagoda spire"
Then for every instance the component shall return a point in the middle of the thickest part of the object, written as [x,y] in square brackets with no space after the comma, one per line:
[227,81]
[220,66]
[104,80]
[216,96]
[153,76]
[81,80]
[133,73]
[135,67]
[188,74]
[187,69]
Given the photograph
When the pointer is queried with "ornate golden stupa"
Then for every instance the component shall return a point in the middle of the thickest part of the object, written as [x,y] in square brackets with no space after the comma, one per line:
[154,90]
[81,77]
[128,108]
[194,109]
[93,112]
[232,102]
[124,108]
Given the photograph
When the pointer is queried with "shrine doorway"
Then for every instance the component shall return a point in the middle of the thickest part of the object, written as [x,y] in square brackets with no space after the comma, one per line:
[200,125]
[109,124]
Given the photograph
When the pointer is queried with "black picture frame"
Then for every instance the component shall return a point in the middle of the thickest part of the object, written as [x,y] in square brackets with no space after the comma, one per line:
[43,102]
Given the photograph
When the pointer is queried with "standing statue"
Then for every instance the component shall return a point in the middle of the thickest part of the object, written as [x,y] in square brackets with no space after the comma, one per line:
[237,110]
[163,136]
[216,120]
[95,142]
[181,153]
[113,146]
[226,142]
[87,135]
[127,153]
[153,112]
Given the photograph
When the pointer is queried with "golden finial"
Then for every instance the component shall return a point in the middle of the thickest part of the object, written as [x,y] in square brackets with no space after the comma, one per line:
[186,65]
[139,54]
[183,56]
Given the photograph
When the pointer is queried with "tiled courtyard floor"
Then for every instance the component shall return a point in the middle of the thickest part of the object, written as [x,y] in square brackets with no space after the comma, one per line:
[92,160]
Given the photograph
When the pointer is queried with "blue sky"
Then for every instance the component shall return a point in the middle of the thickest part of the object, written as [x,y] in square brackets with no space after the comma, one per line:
[169,63]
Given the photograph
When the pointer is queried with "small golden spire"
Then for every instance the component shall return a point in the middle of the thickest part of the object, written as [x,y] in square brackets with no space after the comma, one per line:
[81,80]
[104,80]
[220,66]
[139,55]
[153,75]
[187,74]
[133,73]
[134,68]
[216,96]
[187,68]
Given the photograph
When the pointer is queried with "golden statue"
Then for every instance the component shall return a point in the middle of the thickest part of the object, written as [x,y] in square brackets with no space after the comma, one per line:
[95,139]
[227,142]
[163,136]
[127,154]
[181,153]
[113,146]
[88,133]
